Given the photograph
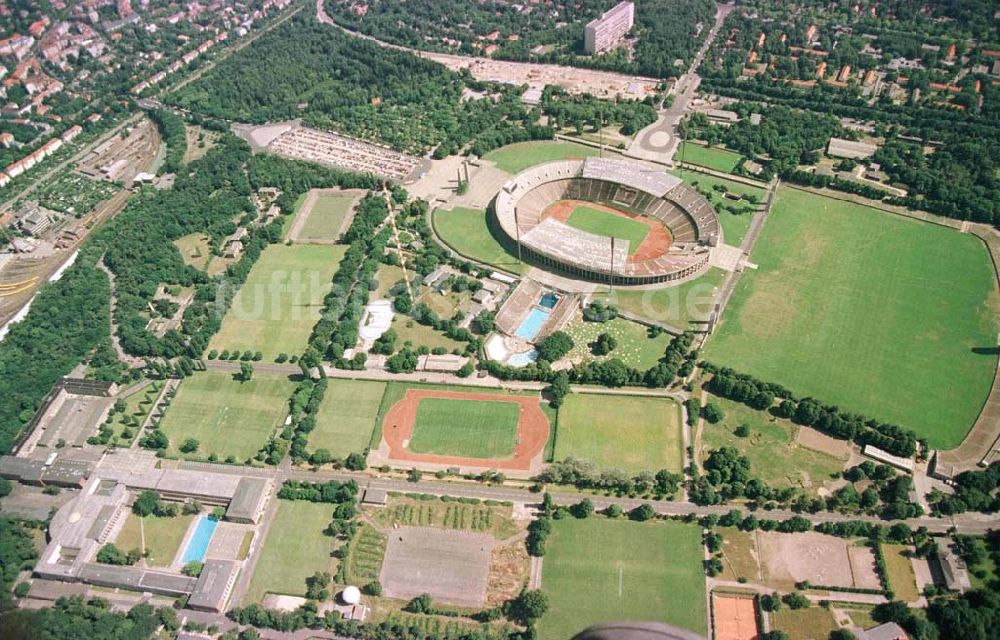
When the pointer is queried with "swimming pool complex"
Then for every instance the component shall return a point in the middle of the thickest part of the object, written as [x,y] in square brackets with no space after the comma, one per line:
[535,320]
[197,546]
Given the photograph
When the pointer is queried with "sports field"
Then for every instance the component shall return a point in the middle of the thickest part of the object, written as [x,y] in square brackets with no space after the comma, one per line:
[676,306]
[621,432]
[775,455]
[711,157]
[635,347]
[346,416]
[472,429]
[804,624]
[875,313]
[466,231]
[902,577]
[609,225]
[226,416]
[295,548]
[517,157]
[326,218]
[276,308]
[159,537]
[599,569]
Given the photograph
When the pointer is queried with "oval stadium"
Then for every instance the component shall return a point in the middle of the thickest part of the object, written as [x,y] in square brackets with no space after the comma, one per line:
[607,220]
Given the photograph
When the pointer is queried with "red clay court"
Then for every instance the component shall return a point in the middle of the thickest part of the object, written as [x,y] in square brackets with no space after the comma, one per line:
[653,246]
[734,617]
[532,430]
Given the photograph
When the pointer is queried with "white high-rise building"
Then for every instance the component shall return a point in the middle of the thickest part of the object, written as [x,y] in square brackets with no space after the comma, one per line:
[605,32]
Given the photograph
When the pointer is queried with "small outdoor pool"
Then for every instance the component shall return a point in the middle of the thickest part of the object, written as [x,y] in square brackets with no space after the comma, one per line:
[548,300]
[198,544]
[532,324]
[522,359]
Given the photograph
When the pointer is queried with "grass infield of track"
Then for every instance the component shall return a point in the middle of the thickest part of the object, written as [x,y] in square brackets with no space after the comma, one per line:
[473,429]
[226,416]
[878,314]
[600,569]
[276,308]
[606,224]
[621,432]
[515,158]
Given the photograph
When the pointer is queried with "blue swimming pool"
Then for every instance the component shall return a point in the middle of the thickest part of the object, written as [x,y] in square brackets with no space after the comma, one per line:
[522,359]
[548,300]
[532,324]
[198,544]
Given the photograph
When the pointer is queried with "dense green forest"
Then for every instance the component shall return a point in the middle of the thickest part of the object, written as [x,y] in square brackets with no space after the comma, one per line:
[666,30]
[171,128]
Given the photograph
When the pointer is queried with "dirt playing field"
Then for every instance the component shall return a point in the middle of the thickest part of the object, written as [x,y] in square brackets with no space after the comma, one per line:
[452,566]
[532,430]
[733,618]
[655,244]
[817,558]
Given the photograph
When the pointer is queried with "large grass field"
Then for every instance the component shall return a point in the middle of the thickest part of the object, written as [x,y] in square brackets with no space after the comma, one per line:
[276,308]
[466,231]
[775,457]
[226,416]
[346,416]
[517,157]
[635,347]
[881,315]
[474,429]
[162,536]
[621,432]
[326,218]
[711,157]
[606,224]
[295,548]
[677,306]
[599,569]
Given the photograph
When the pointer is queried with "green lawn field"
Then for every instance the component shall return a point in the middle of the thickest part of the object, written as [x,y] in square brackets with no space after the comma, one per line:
[621,432]
[804,624]
[602,223]
[600,569]
[474,429]
[635,348]
[163,537]
[878,314]
[295,548]
[346,416]
[326,218]
[775,457]
[466,231]
[288,220]
[517,157]
[226,416]
[902,577]
[711,157]
[677,306]
[276,308]
[705,181]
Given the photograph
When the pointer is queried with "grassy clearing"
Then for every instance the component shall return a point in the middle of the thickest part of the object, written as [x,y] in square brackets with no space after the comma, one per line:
[871,312]
[404,511]
[678,306]
[364,562]
[621,432]
[387,275]
[705,181]
[275,310]
[902,578]
[813,623]
[774,455]
[226,416]
[346,416]
[599,569]
[137,407]
[711,157]
[635,347]
[295,549]
[517,157]
[196,249]
[606,224]
[409,330]
[163,537]
[474,429]
[466,231]
[739,552]
[326,218]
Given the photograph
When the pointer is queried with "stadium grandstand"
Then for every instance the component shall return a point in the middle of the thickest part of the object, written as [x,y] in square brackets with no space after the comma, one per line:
[523,216]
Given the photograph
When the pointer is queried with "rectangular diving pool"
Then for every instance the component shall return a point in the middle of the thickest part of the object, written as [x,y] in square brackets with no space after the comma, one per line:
[197,546]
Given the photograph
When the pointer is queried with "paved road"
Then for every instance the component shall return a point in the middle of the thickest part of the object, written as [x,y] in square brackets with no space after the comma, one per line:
[658,142]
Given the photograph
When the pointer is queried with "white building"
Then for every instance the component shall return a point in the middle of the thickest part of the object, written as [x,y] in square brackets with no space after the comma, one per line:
[607,31]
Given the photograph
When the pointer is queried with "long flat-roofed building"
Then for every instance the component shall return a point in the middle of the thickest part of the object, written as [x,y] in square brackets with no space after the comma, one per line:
[606,32]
